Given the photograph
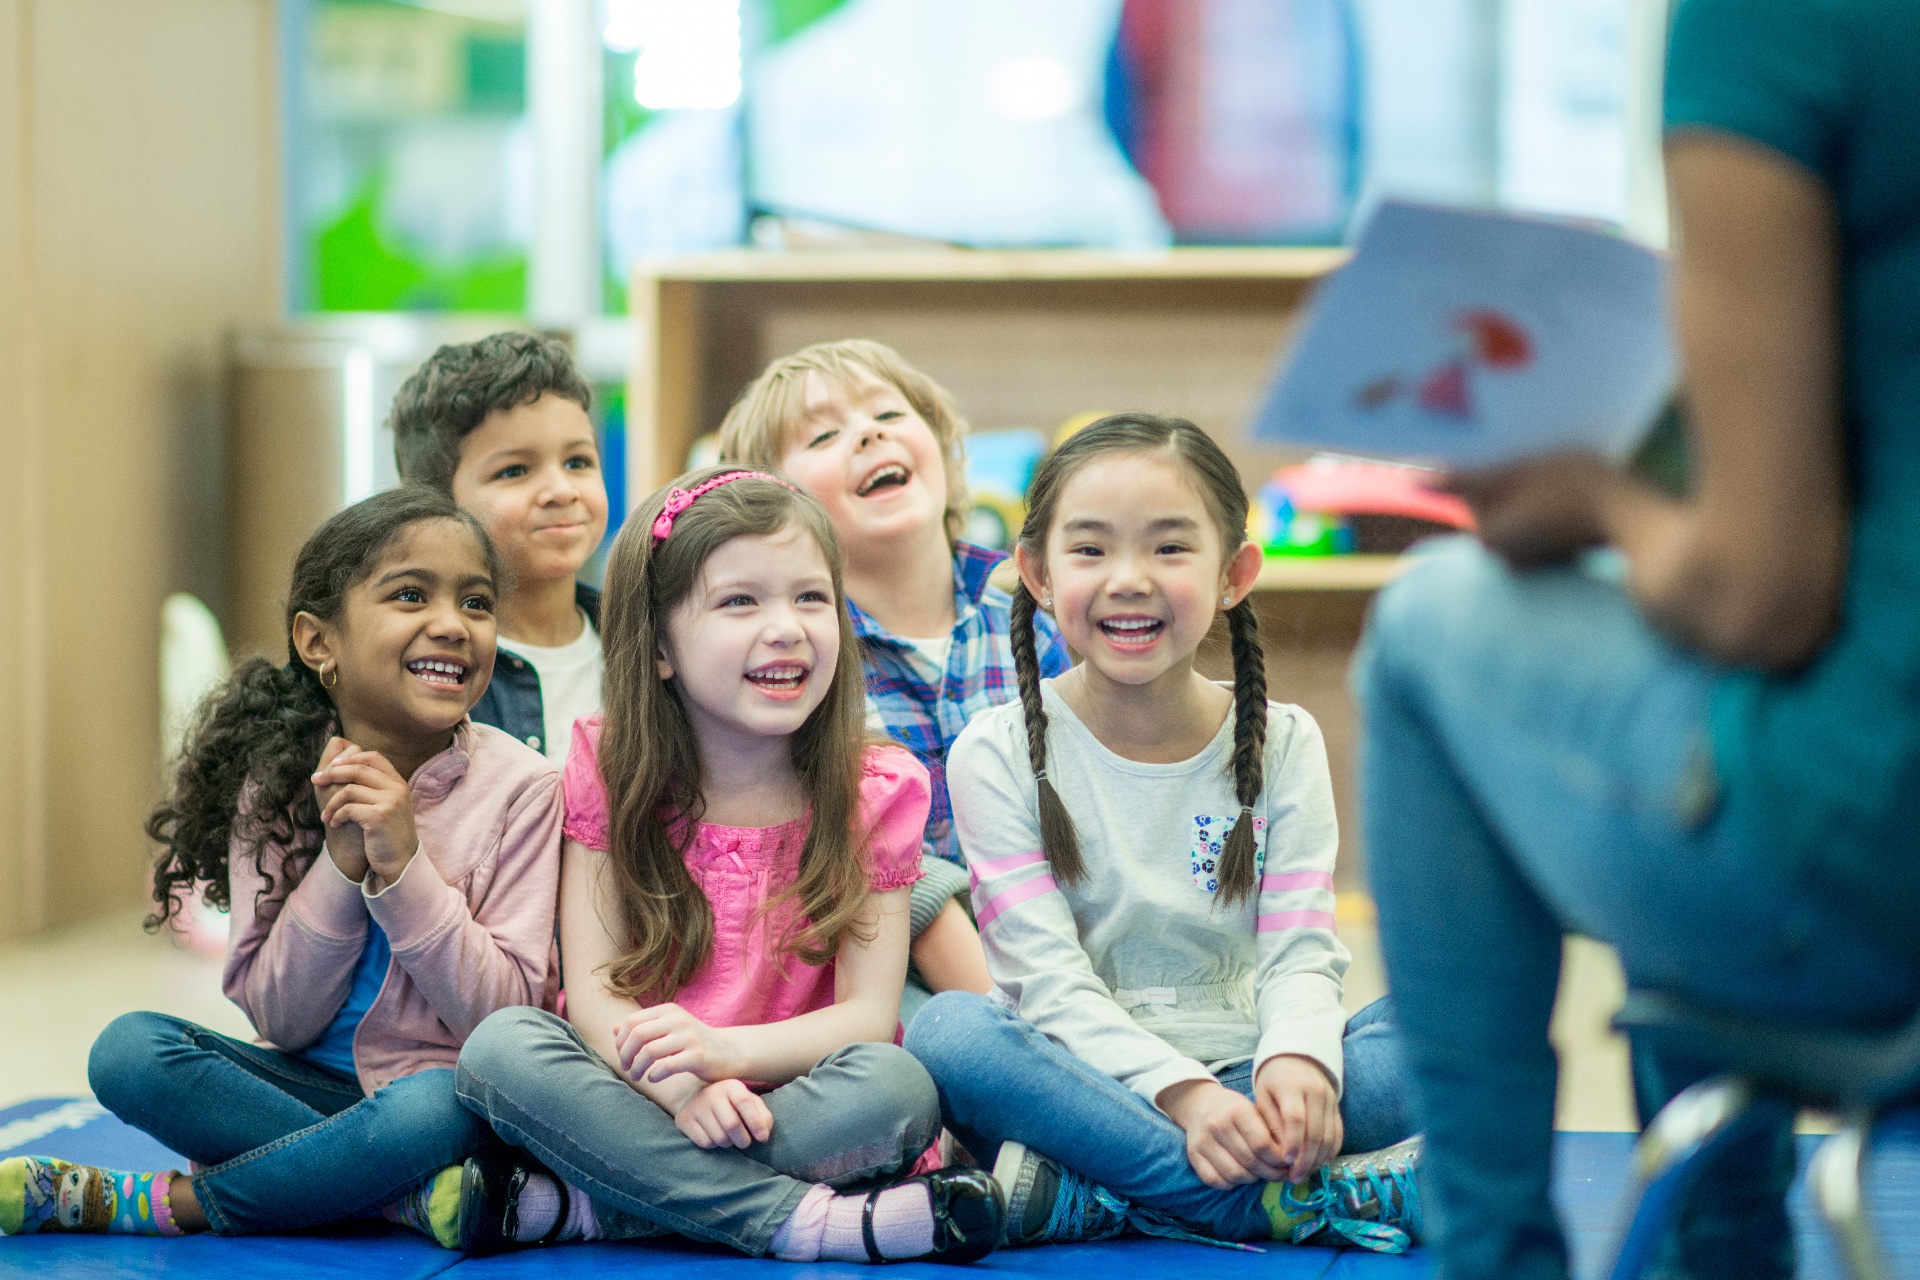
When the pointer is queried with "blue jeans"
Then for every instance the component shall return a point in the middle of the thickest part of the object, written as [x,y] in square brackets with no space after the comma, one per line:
[285,1144]
[1002,1080]
[864,1112]
[1536,760]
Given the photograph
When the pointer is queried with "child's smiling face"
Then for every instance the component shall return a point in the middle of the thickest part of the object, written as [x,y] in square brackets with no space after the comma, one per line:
[412,647]
[1135,566]
[532,475]
[755,644]
[871,460]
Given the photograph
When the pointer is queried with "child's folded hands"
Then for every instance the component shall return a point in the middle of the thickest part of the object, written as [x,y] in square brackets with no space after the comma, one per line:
[725,1113]
[1296,1099]
[664,1040]
[1228,1143]
[367,808]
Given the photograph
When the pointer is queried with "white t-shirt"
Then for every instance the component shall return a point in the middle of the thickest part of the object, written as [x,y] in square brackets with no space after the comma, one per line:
[569,685]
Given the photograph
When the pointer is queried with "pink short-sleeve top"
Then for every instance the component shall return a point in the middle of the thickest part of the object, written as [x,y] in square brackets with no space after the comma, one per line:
[745,982]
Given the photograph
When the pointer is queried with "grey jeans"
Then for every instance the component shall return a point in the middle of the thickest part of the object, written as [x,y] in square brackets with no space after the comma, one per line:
[862,1113]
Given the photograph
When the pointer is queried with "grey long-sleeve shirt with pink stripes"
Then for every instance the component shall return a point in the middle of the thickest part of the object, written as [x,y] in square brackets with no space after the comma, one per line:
[1138,970]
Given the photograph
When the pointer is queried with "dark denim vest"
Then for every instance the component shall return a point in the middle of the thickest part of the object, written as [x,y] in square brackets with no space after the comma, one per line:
[512,700]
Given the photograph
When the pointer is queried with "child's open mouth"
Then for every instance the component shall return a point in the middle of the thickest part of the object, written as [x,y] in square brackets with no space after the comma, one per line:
[445,673]
[1132,633]
[780,680]
[891,476]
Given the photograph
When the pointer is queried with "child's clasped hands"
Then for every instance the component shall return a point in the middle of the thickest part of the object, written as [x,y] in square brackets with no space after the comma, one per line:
[1289,1128]
[367,809]
[710,1104]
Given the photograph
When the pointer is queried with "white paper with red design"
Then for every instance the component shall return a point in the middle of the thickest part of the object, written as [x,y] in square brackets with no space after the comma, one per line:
[1465,339]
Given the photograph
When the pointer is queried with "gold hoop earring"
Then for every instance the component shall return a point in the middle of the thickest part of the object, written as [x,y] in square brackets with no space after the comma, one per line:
[323,677]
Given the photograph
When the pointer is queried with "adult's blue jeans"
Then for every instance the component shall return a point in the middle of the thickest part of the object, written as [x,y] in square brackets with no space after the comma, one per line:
[1535,761]
[283,1143]
[1002,1080]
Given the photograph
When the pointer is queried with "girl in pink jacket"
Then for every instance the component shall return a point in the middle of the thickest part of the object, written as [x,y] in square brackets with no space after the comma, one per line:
[391,869]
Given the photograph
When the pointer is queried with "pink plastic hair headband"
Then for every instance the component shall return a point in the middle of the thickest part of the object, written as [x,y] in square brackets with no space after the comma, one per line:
[679,499]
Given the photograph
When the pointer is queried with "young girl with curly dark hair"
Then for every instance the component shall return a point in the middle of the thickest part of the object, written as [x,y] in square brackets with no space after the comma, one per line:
[391,869]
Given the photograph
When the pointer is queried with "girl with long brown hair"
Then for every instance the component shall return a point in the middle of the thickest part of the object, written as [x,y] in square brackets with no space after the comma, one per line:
[1152,858]
[733,923]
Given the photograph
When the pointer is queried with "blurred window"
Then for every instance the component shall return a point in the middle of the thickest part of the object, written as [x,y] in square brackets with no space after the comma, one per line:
[410,174]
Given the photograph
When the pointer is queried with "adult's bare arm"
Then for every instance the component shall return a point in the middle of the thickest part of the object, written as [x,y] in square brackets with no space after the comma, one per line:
[1749,569]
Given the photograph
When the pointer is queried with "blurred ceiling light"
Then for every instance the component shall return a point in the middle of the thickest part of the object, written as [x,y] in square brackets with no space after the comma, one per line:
[1037,87]
[689,50]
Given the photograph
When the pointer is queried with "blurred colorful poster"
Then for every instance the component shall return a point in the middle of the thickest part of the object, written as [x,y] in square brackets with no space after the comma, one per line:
[1468,338]
[1243,114]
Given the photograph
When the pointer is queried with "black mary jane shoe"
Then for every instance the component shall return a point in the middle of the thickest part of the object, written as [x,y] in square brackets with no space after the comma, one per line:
[969,1214]
[490,1188]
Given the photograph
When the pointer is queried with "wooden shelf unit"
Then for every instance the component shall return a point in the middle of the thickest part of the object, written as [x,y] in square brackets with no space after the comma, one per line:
[1022,339]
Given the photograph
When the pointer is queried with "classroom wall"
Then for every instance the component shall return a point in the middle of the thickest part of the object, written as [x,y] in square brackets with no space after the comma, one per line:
[138,224]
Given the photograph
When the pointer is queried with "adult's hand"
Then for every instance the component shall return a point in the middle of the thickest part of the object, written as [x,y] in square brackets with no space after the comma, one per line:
[1538,511]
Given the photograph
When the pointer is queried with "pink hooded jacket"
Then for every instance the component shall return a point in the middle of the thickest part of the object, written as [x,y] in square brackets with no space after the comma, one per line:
[470,920]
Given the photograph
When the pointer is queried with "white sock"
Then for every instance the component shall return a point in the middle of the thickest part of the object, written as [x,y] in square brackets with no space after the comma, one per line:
[902,1225]
[824,1226]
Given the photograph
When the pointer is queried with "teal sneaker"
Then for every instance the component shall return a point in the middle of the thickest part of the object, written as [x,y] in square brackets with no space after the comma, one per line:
[1370,1199]
[1048,1203]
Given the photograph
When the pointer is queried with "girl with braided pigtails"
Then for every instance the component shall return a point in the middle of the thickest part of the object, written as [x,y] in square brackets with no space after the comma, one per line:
[1152,858]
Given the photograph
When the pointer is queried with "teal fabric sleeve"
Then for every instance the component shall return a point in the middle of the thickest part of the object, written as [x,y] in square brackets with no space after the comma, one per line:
[1772,71]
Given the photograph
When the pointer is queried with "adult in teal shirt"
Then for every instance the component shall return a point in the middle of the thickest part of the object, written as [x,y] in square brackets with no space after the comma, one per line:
[1710,755]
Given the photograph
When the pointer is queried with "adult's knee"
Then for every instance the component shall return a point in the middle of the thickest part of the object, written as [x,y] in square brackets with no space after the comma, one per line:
[1431,612]
[121,1064]
[946,1026]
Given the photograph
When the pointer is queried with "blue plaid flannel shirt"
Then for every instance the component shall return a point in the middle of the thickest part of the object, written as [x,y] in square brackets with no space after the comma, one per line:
[980,674]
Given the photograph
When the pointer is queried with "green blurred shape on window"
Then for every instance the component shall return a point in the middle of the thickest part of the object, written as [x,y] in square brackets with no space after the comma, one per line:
[496,75]
[790,16]
[405,99]
[359,271]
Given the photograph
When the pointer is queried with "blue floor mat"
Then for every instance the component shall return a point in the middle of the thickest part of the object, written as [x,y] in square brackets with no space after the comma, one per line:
[1590,1173]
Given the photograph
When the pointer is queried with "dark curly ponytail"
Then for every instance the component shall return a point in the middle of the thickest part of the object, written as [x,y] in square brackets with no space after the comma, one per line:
[1218,481]
[262,733]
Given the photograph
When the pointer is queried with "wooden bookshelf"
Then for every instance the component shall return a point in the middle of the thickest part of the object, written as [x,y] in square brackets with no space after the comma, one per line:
[1022,339]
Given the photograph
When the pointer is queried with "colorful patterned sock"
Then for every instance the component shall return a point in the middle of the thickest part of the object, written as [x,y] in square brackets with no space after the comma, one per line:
[1293,1212]
[540,1205]
[38,1193]
[432,1209]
